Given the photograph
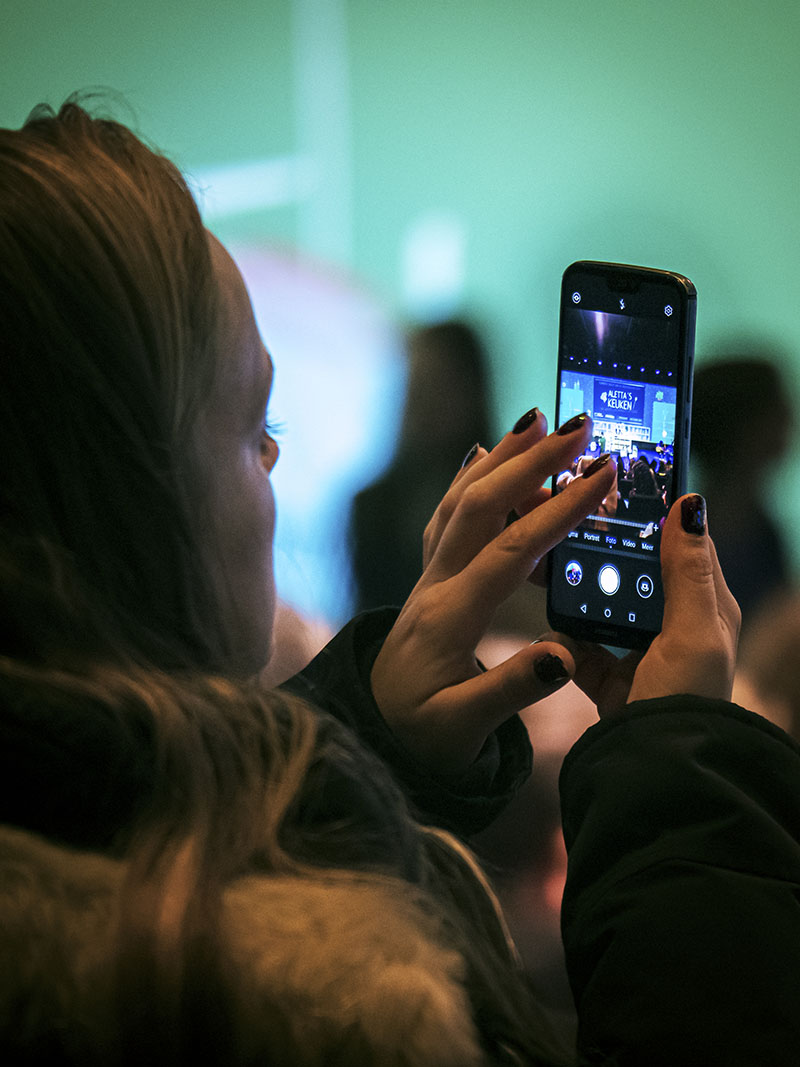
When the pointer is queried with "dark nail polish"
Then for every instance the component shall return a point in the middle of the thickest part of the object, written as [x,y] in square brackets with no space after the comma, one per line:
[470,455]
[550,670]
[693,514]
[598,464]
[573,424]
[526,420]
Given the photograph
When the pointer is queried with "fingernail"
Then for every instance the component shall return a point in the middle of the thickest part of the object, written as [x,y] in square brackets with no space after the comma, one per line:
[598,464]
[550,670]
[693,514]
[573,424]
[470,456]
[526,420]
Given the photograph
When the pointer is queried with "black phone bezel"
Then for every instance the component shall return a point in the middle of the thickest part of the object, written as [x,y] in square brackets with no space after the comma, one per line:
[622,280]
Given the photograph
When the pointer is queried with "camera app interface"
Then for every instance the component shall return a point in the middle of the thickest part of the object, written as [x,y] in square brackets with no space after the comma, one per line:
[621,368]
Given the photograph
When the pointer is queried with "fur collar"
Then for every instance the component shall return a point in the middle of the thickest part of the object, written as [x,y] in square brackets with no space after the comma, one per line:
[330,956]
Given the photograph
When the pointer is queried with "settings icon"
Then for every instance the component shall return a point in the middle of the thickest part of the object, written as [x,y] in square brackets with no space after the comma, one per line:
[668,310]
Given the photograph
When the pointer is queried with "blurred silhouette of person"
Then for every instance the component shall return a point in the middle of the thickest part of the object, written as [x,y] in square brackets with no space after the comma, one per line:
[733,467]
[447,410]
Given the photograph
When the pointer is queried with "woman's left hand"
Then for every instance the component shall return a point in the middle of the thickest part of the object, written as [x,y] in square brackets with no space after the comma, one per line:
[426,679]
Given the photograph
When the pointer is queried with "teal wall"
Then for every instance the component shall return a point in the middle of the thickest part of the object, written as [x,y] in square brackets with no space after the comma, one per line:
[540,132]
[662,134]
[200,75]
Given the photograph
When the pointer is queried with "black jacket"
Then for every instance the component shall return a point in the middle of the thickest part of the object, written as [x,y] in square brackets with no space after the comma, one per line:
[78,776]
[317,965]
[681,916]
[338,681]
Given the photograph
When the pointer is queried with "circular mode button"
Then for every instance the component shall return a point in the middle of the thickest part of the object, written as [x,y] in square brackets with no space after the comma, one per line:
[608,579]
[644,586]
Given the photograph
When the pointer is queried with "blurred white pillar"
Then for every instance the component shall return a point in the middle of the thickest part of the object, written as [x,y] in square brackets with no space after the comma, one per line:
[323,127]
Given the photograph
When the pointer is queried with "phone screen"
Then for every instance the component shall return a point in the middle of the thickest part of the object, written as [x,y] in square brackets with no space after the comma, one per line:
[624,359]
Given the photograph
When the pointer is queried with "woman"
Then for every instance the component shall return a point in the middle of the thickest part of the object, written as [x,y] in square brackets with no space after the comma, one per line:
[137,601]
[249,883]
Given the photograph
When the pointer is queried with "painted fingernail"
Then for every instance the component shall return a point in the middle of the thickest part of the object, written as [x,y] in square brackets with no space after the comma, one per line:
[526,420]
[470,456]
[693,514]
[598,464]
[572,425]
[550,670]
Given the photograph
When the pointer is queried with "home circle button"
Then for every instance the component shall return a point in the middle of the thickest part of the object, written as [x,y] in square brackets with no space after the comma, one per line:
[644,586]
[608,579]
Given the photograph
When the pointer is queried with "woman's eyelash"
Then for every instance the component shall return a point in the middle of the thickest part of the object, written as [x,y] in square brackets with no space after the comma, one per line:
[274,428]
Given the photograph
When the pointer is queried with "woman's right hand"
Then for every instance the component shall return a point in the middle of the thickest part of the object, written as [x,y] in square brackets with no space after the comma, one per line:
[695,652]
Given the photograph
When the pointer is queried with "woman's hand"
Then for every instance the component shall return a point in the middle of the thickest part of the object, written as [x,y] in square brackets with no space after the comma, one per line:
[696,649]
[426,680]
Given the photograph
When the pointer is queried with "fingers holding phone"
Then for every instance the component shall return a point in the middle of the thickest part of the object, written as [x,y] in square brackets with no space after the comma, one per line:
[696,649]
[478,516]
[528,430]
[426,680]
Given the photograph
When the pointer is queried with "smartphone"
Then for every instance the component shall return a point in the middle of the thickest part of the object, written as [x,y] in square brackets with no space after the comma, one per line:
[625,356]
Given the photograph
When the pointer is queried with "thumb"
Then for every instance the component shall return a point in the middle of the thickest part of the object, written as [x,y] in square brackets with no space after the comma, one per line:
[535,672]
[688,566]
[696,649]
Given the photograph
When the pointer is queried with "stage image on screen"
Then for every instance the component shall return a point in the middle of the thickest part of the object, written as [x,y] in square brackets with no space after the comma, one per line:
[632,406]
[622,370]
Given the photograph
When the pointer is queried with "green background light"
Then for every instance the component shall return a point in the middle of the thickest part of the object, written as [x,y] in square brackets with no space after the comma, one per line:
[533,132]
